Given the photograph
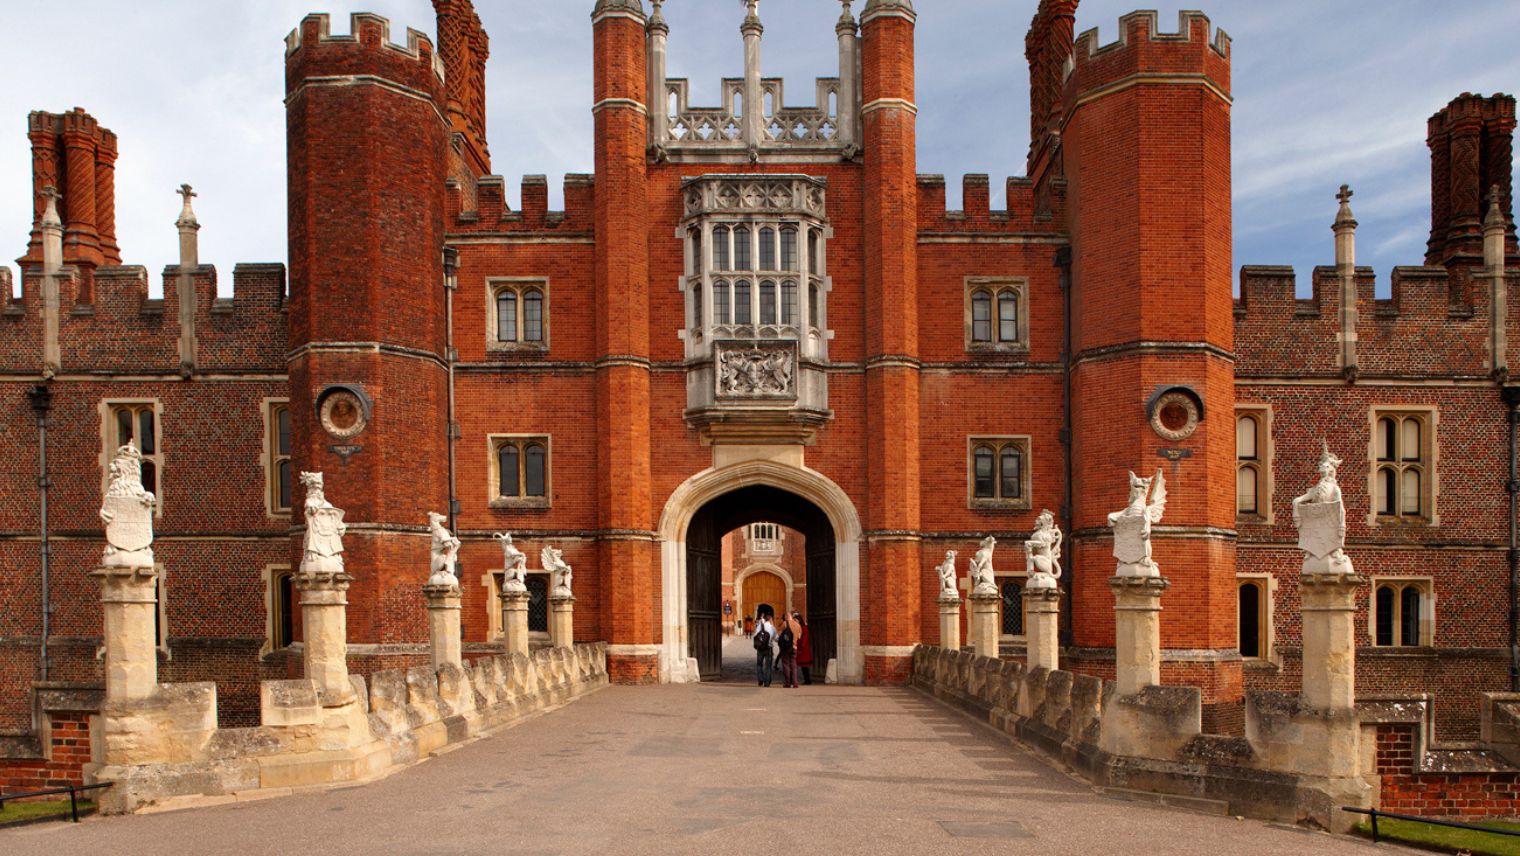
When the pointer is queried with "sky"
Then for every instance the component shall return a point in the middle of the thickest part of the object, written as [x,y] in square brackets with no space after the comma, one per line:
[1326,92]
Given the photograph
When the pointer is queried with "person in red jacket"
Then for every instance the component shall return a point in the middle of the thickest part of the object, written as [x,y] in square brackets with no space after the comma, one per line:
[804,650]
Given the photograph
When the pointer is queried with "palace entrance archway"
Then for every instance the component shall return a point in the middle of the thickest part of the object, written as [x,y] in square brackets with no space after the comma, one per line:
[704,570]
[719,500]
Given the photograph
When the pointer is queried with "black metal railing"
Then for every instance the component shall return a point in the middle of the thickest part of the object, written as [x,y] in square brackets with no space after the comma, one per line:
[71,790]
[1374,814]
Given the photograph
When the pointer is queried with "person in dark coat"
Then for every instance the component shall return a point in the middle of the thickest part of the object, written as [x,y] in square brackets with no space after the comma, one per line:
[804,650]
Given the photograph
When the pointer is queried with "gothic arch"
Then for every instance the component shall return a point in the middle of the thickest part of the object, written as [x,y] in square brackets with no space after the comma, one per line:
[676,663]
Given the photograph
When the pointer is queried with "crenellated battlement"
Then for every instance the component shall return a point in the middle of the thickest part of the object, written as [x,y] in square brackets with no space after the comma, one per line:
[1197,47]
[976,213]
[491,212]
[1432,323]
[367,32]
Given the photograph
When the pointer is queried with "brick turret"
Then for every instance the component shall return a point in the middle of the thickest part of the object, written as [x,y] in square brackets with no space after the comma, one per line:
[368,139]
[1471,150]
[1146,152]
[626,555]
[892,353]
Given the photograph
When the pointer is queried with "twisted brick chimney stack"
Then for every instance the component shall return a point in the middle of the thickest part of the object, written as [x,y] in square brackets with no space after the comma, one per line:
[1471,150]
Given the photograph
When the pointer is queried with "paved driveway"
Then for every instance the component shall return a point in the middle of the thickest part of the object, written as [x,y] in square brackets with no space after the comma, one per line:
[711,769]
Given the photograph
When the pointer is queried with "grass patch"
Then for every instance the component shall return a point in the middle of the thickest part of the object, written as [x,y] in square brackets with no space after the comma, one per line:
[15,811]
[1446,838]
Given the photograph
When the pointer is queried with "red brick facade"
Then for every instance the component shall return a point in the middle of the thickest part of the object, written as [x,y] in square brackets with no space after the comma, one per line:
[1120,244]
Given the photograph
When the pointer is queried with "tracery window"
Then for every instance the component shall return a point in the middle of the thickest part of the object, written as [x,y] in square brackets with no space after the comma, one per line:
[996,315]
[1402,453]
[1403,613]
[136,422]
[518,318]
[520,471]
[999,472]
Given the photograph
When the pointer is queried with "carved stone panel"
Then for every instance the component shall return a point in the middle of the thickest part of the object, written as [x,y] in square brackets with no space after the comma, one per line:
[749,371]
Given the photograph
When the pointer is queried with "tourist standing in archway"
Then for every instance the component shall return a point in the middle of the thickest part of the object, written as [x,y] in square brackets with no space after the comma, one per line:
[804,650]
[765,634]
[786,641]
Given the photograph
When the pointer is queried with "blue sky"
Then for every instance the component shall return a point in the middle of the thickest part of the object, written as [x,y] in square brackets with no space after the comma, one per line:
[1326,92]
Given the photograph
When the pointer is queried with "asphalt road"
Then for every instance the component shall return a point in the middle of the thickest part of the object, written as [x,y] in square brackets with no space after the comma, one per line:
[711,769]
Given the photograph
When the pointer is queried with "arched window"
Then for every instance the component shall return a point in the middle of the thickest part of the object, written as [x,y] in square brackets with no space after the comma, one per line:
[767,249]
[506,315]
[1247,464]
[696,305]
[789,303]
[985,485]
[767,302]
[999,472]
[1013,608]
[1409,616]
[138,423]
[533,316]
[741,249]
[720,302]
[813,319]
[789,249]
[698,264]
[1011,472]
[981,317]
[742,308]
[720,248]
[1384,607]
[535,464]
[813,251]
[1008,316]
[508,458]
[1402,452]
[280,471]
[1250,619]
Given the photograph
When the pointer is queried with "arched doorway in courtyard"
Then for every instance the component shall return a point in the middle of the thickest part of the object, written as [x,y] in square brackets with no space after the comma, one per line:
[732,511]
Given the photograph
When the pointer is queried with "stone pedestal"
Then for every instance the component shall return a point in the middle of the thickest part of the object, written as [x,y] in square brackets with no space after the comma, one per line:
[129,602]
[561,621]
[443,625]
[1137,636]
[1042,620]
[324,630]
[950,623]
[1329,628]
[984,624]
[514,622]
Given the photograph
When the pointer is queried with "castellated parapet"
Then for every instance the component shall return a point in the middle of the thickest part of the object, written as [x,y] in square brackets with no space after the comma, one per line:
[370,34]
[1143,48]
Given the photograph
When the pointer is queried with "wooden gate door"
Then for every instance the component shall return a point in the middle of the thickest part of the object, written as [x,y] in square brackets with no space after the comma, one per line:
[821,607]
[764,587]
[704,596]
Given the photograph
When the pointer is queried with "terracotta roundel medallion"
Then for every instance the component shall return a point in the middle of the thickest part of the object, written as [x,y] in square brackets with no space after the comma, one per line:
[342,414]
[1175,416]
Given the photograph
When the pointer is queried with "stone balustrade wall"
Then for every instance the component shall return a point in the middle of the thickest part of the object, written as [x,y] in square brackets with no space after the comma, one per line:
[167,749]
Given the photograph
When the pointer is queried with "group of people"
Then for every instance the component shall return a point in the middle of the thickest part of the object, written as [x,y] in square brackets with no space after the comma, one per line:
[784,644]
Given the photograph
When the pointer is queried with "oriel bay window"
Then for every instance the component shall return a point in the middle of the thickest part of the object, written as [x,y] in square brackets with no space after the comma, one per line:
[520,472]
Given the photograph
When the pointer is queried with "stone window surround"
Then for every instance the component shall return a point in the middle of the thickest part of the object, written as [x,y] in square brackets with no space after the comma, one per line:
[1001,577]
[1427,588]
[494,499]
[758,544]
[520,284]
[998,442]
[1267,584]
[996,286]
[270,575]
[107,407]
[1431,485]
[1265,480]
[270,458]
[491,582]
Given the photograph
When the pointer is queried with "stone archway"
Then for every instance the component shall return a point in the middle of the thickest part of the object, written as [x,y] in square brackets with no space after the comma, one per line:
[743,605]
[677,663]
